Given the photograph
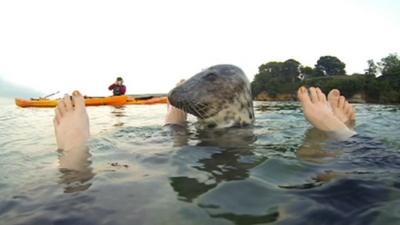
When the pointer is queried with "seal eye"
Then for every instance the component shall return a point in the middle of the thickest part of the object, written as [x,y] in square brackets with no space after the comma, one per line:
[211,77]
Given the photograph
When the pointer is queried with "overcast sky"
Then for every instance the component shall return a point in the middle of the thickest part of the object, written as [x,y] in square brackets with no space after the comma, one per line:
[65,45]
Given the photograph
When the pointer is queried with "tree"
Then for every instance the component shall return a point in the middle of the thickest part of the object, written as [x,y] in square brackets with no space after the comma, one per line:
[276,77]
[390,65]
[318,71]
[372,69]
[331,65]
[266,78]
[271,68]
[290,70]
[306,70]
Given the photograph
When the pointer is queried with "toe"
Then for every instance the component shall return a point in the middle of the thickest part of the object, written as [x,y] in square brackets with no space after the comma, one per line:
[303,96]
[68,102]
[350,110]
[78,100]
[333,97]
[321,95]
[347,107]
[342,101]
[314,95]
[61,107]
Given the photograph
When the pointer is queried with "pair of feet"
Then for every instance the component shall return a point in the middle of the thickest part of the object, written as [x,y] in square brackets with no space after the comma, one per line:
[332,114]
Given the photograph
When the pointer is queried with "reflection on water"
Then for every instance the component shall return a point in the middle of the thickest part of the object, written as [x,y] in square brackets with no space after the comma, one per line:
[75,169]
[119,112]
[277,172]
[230,159]
[75,166]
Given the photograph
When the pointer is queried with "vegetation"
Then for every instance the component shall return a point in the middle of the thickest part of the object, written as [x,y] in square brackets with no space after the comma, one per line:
[380,82]
[330,65]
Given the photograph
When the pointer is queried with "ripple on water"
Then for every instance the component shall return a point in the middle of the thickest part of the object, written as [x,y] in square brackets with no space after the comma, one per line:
[244,202]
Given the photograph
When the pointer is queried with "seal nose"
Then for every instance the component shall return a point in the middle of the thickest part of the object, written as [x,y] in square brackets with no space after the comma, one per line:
[177,97]
[173,97]
[181,99]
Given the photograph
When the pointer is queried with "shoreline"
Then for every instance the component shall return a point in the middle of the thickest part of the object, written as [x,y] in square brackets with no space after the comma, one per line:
[352,102]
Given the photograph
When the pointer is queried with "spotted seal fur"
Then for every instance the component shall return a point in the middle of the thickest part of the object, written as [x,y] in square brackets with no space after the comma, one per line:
[219,97]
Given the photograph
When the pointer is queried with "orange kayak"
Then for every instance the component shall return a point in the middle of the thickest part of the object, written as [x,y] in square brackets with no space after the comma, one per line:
[146,101]
[89,101]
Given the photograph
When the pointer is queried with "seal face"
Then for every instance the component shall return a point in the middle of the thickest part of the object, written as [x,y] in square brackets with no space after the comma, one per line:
[219,97]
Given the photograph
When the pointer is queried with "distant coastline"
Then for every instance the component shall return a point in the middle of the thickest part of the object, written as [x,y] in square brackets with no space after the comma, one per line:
[279,81]
[264,97]
[356,88]
[10,90]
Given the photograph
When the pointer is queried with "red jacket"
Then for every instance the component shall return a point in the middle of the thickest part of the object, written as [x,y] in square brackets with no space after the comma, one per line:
[117,89]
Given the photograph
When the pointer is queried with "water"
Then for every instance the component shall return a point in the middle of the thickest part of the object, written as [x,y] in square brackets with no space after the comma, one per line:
[137,174]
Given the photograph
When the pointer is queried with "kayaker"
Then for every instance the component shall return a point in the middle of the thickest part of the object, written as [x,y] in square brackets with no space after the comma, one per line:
[118,87]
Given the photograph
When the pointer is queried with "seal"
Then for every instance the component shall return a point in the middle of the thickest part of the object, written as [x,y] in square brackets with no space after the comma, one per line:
[220,97]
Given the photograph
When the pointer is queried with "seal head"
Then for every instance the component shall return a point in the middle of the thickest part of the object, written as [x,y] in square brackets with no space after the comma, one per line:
[219,97]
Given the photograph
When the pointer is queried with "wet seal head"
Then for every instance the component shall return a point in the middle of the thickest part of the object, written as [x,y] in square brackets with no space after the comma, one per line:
[219,97]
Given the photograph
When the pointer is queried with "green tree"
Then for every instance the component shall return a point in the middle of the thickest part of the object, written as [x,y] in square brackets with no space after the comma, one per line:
[390,65]
[290,70]
[306,70]
[276,77]
[348,85]
[372,69]
[281,78]
[267,73]
[331,65]
[271,68]
[318,71]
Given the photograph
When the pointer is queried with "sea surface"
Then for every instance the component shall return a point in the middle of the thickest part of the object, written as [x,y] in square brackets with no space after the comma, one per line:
[278,172]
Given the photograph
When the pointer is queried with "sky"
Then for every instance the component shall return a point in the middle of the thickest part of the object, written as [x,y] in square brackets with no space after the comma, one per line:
[53,45]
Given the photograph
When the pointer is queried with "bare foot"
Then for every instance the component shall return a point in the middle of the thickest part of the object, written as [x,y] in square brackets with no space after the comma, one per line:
[318,112]
[175,116]
[71,122]
[342,109]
